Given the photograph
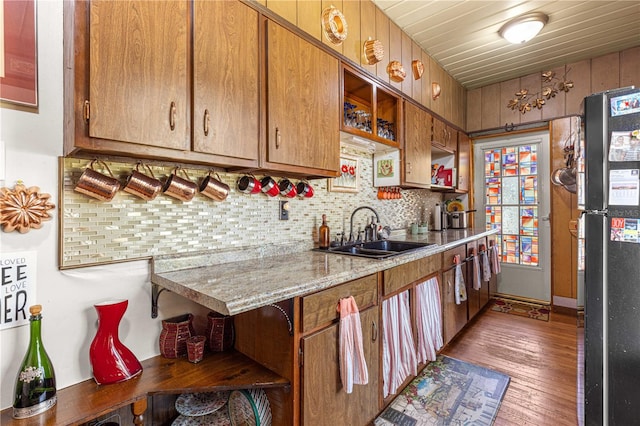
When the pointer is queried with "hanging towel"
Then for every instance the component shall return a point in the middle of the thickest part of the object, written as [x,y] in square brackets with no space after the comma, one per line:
[477,282]
[428,320]
[399,358]
[495,259]
[461,291]
[486,267]
[353,366]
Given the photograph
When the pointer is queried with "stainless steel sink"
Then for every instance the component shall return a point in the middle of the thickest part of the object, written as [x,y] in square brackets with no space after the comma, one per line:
[378,249]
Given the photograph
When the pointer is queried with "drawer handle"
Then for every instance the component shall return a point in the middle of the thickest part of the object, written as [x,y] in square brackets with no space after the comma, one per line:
[206,122]
[172,116]
[278,138]
[374,331]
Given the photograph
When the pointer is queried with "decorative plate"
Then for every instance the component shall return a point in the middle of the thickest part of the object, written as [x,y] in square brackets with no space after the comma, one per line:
[23,209]
[249,407]
[200,404]
[218,418]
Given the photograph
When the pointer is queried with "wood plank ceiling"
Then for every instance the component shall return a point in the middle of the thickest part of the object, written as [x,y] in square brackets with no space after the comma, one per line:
[463,35]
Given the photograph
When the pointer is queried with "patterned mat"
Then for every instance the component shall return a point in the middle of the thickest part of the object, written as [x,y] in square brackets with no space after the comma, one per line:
[448,392]
[523,309]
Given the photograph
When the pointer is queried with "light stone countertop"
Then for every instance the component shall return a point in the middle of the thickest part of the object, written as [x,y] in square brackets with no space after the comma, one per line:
[242,279]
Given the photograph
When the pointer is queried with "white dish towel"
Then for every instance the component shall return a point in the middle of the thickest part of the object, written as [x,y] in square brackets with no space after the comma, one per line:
[428,320]
[353,366]
[486,267]
[459,286]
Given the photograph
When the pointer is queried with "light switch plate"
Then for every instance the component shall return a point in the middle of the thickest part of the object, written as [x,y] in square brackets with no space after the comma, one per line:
[284,210]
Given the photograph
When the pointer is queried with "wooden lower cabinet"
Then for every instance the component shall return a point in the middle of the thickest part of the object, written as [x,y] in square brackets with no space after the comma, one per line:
[324,400]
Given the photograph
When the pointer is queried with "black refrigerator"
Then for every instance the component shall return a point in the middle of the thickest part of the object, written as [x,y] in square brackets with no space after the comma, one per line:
[612,258]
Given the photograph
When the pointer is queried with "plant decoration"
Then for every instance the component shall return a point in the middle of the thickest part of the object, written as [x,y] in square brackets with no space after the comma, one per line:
[525,101]
[23,209]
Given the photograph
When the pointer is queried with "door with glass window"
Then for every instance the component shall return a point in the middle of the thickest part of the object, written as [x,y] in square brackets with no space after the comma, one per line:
[511,194]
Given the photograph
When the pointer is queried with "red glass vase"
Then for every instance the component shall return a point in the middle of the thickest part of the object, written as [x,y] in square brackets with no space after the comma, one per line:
[111,360]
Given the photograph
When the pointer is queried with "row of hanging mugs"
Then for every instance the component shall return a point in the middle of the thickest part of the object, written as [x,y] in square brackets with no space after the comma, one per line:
[148,187]
[249,184]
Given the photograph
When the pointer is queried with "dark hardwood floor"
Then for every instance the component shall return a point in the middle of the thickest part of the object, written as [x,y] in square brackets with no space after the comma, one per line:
[540,358]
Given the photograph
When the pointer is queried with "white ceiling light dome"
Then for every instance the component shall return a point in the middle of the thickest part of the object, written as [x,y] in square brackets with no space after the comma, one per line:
[523,28]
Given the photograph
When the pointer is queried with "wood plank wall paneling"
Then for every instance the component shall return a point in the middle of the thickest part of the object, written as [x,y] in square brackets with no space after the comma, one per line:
[426,81]
[605,72]
[285,9]
[630,67]
[382,34]
[407,55]
[309,13]
[580,74]
[395,49]
[618,69]
[563,210]
[367,30]
[353,45]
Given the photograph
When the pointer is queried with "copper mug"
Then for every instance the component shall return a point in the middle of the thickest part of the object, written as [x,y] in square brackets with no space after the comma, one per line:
[177,187]
[145,187]
[97,185]
[214,188]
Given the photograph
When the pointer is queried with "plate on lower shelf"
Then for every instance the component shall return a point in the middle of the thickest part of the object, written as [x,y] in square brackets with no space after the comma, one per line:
[217,418]
[202,403]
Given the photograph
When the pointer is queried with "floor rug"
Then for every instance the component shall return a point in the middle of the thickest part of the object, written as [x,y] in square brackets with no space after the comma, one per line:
[523,309]
[448,392]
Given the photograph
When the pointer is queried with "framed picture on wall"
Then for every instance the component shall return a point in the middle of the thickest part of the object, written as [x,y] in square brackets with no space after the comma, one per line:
[18,54]
[349,179]
[386,168]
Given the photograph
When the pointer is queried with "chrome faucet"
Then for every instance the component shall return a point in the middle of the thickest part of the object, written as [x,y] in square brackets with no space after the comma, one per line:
[374,234]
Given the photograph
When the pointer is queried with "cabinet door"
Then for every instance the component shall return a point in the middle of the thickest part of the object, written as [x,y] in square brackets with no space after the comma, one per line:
[225,79]
[417,149]
[303,106]
[464,161]
[139,85]
[454,316]
[324,401]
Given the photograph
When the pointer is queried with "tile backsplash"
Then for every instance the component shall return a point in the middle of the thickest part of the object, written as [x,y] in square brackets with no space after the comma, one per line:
[127,227]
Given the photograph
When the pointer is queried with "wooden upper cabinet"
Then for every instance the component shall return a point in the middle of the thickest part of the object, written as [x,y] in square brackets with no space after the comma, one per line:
[138,73]
[226,91]
[303,104]
[417,146]
[444,135]
[464,162]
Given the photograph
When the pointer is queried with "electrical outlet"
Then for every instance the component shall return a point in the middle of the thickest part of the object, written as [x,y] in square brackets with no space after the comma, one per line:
[284,210]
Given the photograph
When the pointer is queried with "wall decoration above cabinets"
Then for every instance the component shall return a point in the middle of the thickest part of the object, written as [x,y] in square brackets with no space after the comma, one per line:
[435,90]
[396,71]
[524,100]
[418,68]
[373,51]
[334,25]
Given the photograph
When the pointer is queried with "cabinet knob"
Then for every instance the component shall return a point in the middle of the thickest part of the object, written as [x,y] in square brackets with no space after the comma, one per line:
[172,116]
[205,123]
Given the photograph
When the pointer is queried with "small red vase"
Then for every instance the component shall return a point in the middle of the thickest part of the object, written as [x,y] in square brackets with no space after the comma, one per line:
[111,360]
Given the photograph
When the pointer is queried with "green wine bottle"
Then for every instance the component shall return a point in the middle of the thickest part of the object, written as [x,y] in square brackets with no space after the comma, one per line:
[36,382]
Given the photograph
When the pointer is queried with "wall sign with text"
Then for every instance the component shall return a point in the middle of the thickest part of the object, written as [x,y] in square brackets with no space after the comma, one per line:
[18,284]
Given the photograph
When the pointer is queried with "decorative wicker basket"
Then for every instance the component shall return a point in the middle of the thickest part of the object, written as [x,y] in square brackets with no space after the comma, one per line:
[220,332]
[174,335]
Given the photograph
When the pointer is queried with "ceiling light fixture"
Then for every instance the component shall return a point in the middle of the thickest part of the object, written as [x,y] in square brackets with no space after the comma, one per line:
[523,28]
